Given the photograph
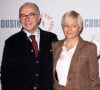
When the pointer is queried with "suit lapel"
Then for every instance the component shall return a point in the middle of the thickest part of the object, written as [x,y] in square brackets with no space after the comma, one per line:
[42,42]
[76,55]
[26,42]
[58,50]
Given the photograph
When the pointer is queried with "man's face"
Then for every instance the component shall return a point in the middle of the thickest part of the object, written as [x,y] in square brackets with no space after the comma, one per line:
[29,18]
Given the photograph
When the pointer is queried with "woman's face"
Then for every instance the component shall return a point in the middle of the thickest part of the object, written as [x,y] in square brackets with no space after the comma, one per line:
[71,27]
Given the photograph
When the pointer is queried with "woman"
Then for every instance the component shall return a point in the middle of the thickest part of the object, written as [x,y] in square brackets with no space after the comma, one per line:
[75,60]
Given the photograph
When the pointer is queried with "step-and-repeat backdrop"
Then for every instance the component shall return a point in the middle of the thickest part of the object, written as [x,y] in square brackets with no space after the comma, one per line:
[51,14]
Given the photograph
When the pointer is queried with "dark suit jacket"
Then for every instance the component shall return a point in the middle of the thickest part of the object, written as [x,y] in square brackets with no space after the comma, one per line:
[21,70]
[83,69]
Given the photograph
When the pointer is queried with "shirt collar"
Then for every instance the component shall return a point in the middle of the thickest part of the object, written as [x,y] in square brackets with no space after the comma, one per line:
[64,48]
[37,33]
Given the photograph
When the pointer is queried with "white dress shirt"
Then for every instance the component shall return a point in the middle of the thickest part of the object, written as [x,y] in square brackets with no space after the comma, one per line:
[63,64]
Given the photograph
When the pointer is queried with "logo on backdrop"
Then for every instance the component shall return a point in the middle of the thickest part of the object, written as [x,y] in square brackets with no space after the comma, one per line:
[92,23]
[47,22]
[9,23]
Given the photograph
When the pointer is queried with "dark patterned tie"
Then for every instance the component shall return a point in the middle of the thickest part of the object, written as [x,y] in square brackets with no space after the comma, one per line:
[34,43]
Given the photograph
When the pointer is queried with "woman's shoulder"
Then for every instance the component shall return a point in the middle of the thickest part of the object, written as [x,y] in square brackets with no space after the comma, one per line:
[57,43]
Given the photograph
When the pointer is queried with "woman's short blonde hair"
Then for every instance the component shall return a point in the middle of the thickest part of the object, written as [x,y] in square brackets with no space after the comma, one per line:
[73,14]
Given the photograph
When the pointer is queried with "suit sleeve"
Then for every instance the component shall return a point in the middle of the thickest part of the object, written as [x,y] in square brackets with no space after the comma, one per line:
[7,68]
[93,69]
[54,38]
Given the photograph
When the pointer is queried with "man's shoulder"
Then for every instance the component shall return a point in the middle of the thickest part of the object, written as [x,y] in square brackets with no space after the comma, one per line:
[48,36]
[46,32]
[15,36]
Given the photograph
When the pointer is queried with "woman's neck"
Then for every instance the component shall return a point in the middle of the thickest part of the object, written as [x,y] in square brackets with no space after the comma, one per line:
[70,43]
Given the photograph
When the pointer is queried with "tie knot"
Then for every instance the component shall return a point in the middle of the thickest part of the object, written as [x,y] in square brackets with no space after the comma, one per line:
[32,37]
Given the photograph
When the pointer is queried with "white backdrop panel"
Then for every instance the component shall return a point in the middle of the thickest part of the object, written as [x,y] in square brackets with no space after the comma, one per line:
[51,13]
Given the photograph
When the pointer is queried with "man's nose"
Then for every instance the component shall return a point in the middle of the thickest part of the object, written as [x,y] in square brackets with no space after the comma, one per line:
[27,17]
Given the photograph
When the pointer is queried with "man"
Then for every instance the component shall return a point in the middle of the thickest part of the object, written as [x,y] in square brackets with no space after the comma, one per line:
[23,66]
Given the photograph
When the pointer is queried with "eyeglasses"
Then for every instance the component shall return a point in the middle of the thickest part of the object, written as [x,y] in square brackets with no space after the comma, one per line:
[30,16]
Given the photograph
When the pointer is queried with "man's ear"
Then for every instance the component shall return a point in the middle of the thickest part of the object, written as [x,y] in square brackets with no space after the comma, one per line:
[19,19]
[39,21]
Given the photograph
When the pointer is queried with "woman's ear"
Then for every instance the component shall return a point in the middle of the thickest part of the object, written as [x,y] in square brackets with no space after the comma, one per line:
[80,28]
